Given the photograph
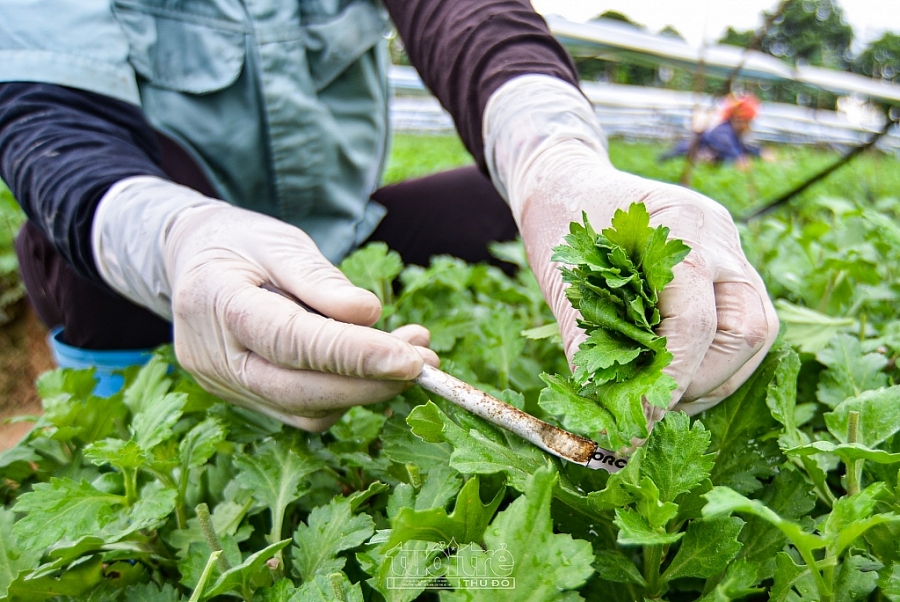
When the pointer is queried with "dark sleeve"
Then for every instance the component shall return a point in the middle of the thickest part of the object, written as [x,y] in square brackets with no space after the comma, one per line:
[60,151]
[465,49]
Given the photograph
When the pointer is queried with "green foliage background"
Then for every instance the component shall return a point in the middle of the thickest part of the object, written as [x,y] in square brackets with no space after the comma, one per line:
[787,490]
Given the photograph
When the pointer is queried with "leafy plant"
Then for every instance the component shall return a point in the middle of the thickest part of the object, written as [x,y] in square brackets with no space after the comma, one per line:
[614,283]
[786,490]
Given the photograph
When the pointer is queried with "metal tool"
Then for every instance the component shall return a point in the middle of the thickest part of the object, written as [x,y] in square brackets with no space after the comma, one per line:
[552,439]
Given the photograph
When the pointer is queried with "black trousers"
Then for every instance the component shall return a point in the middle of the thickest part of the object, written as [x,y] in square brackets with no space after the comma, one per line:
[456,212]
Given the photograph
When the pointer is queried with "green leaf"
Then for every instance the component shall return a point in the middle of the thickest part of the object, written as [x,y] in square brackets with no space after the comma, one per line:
[402,446]
[465,524]
[86,511]
[736,427]
[852,516]
[580,414]
[358,425]
[240,578]
[782,401]
[149,385]
[856,579]
[282,590]
[441,486]
[879,416]
[847,452]
[150,592]
[614,284]
[73,582]
[675,459]
[709,545]
[656,512]
[739,581]
[723,501]
[329,588]
[69,406]
[850,370]
[634,530]
[121,454]
[809,330]
[630,229]
[476,452]
[660,256]
[198,594]
[155,504]
[620,487]
[195,560]
[602,350]
[153,424]
[790,496]
[373,267]
[328,531]
[544,565]
[793,582]
[414,559]
[274,474]
[13,559]
[546,331]
[889,582]
[428,422]
[199,444]
[615,566]
[227,517]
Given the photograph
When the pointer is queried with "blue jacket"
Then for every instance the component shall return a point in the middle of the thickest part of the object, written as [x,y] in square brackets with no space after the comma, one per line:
[720,144]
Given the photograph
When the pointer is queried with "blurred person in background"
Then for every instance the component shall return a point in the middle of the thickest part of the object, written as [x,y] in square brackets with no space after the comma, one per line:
[726,141]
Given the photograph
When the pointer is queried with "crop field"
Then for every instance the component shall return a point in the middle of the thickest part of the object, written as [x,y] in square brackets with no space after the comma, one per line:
[787,491]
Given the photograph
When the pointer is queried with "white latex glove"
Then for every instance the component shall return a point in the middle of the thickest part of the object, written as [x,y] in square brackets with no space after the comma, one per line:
[547,155]
[199,262]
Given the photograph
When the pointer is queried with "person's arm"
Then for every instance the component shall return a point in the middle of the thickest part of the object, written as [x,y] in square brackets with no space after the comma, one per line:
[493,64]
[466,49]
[60,151]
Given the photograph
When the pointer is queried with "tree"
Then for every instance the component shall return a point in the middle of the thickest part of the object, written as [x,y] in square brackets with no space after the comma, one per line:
[617,16]
[621,71]
[881,58]
[670,32]
[810,31]
[733,37]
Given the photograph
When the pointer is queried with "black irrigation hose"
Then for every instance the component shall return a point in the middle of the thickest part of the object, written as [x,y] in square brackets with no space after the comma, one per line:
[774,204]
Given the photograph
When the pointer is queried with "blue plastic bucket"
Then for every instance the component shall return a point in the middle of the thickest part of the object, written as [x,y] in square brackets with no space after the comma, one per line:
[106,362]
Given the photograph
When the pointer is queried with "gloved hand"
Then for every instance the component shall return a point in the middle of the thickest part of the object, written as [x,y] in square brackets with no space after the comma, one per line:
[199,262]
[547,155]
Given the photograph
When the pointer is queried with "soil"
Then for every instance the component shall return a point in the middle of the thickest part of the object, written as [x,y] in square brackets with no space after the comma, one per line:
[24,355]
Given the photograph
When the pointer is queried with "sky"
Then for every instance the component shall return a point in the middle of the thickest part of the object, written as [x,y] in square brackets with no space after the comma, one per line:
[699,20]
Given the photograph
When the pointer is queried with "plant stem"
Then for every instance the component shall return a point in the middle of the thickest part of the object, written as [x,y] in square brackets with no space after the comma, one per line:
[652,560]
[180,512]
[823,587]
[854,469]
[129,477]
[204,577]
[212,539]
